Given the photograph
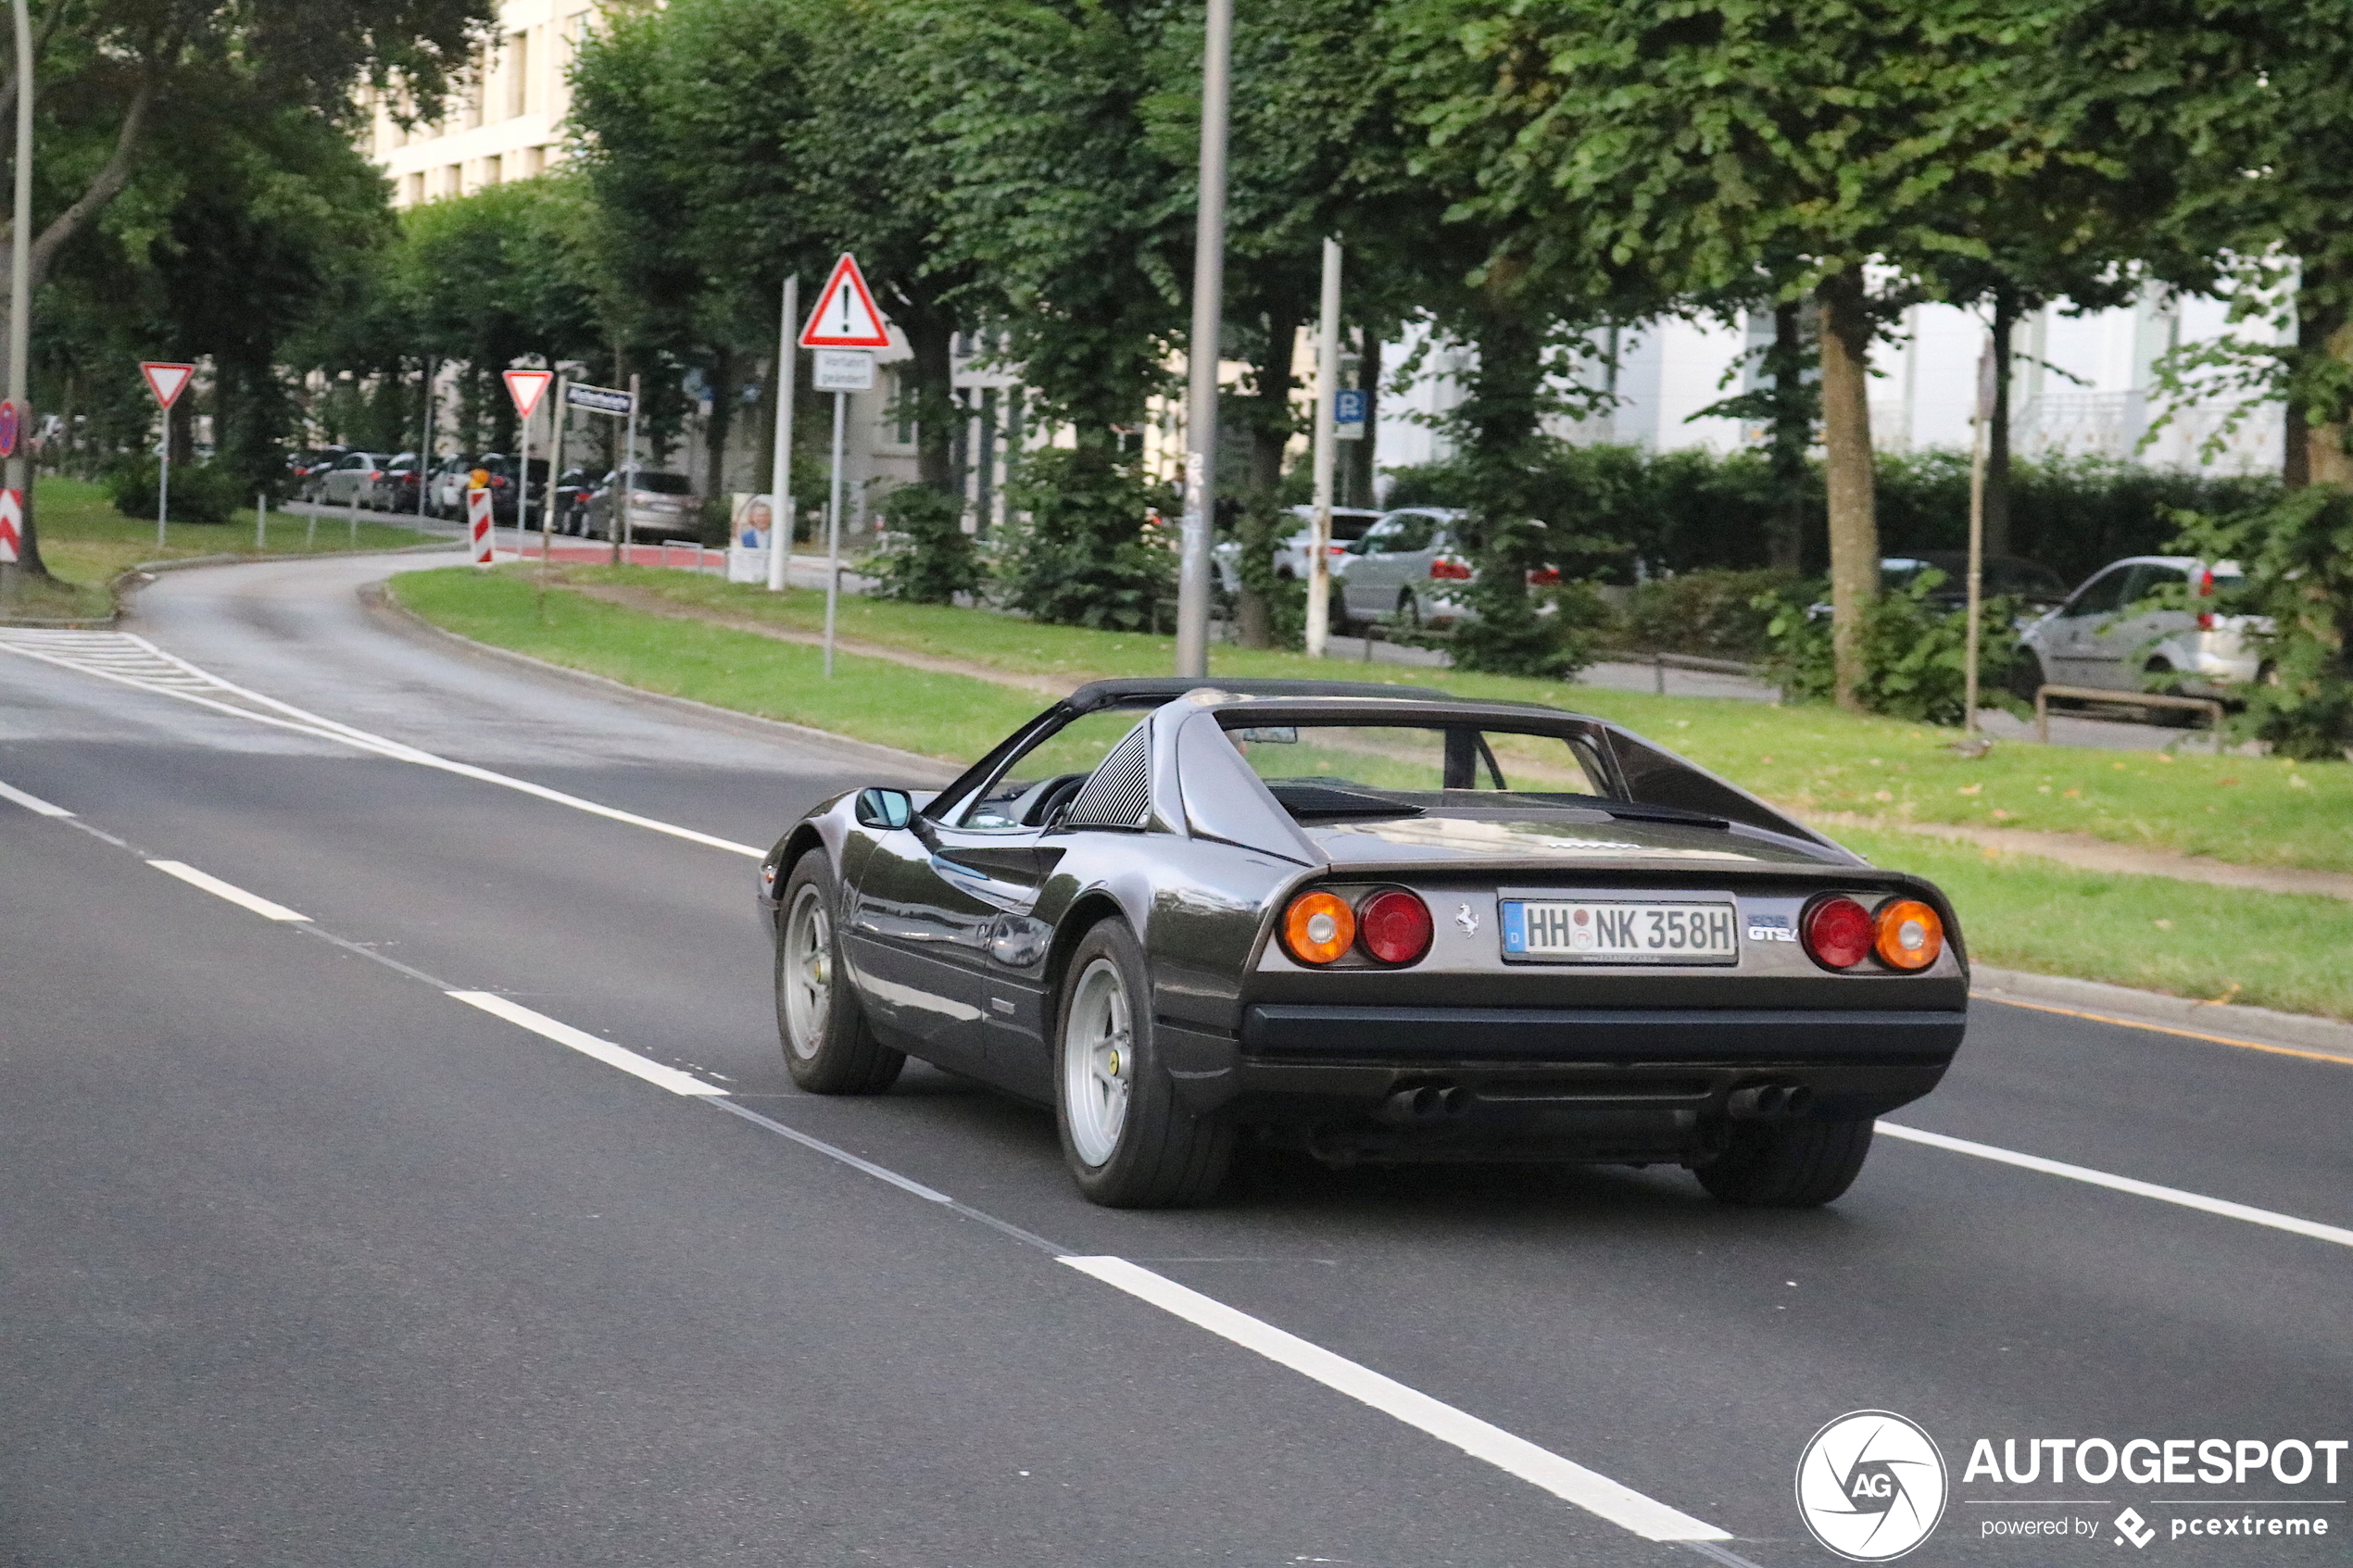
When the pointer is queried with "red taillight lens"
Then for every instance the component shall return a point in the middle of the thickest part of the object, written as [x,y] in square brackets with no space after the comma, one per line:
[496,484]
[1544,577]
[1450,570]
[1837,931]
[1318,928]
[2207,621]
[2205,582]
[1394,926]
[378,474]
[1909,935]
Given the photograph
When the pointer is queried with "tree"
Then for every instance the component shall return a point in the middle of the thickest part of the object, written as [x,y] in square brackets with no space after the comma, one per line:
[1669,150]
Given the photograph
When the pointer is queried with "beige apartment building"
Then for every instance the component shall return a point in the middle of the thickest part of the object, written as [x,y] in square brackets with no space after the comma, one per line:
[506,122]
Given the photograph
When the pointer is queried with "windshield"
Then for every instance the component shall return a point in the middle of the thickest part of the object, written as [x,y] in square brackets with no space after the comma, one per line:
[1023,793]
[1415,759]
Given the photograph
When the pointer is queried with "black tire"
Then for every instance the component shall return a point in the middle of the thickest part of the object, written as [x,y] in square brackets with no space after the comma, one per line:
[828,1048]
[1788,1164]
[1409,612]
[1161,1155]
[2026,675]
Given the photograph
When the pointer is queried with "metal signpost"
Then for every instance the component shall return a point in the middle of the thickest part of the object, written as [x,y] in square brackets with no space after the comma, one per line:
[20,483]
[1209,309]
[167,380]
[780,519]
[1979,441]
[843,329]
[526,387]
[1319,541]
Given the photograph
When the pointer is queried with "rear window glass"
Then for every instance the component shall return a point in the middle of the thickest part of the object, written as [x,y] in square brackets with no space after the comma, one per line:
[656,483]
[1415,759]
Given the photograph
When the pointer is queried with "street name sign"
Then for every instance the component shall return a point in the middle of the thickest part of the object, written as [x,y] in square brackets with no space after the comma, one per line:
[597,399]
[843,370]
[526,387]
[844,316]
[166,379]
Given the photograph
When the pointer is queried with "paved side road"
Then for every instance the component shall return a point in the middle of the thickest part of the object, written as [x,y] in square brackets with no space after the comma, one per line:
[312,1261]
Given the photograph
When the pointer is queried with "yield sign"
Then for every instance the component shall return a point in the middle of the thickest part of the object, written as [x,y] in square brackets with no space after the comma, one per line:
[844,316]
[11,523]
[526,387]
[166,379]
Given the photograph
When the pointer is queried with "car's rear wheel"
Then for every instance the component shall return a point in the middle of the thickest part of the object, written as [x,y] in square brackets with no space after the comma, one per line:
[1129,1142]
[1788,1164]
[828,1048]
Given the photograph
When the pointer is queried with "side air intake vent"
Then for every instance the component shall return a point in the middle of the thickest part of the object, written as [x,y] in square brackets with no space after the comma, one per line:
[1115,796]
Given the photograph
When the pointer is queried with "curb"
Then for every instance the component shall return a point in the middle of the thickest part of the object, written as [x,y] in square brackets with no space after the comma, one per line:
[2123,1004]
[382,605]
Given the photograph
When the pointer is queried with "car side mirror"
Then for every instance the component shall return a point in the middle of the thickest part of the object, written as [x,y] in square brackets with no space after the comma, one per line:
[885,808]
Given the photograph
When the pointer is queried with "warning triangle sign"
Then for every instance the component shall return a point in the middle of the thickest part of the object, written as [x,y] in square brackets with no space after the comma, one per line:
[844,316]
[526,387]
[166,379]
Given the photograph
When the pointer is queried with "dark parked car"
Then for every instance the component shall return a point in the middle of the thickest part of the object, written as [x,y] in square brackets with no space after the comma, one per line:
[1365,922]
[309,467]
[662,506]
[2002,577]
[574,487]
[395,486]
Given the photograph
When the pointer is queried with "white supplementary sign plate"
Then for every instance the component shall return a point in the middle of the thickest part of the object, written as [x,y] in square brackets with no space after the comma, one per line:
[1613,931]
[843,370]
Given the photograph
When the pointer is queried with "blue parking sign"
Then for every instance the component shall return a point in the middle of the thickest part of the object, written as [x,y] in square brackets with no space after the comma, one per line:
[1349,409]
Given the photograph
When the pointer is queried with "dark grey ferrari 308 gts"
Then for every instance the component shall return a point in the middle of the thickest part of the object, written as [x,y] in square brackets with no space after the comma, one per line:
[1370,924]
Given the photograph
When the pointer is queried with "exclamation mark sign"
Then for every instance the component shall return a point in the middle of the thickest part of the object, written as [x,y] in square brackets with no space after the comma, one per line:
[845,307]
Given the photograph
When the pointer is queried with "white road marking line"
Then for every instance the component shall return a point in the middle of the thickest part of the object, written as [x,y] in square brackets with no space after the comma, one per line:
[2222,1206]
[1587,1490]
[228,890]
[135,662]
[652,1072]
[32,803]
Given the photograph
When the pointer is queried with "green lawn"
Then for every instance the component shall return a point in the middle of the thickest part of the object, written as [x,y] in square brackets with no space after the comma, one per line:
[2151,932]
[86,543]
[1812,757]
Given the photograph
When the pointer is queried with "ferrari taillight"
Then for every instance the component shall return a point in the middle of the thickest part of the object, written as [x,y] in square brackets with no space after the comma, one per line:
[1908,935]
[1318,928]
[1394,926]
[1837,931]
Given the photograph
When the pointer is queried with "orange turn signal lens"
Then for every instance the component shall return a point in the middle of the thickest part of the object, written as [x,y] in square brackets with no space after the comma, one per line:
[1318,928]
[1907,934]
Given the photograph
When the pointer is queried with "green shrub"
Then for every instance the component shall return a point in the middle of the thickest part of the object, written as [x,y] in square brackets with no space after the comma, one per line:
[1915,655]
[2297,554]
[200,492]
[1264,526]
[1716,612]
[934,561]
[1516,629]
[1079,552]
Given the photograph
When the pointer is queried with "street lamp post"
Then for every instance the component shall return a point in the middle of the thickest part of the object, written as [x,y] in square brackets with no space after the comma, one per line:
[20,265]
[1209,308]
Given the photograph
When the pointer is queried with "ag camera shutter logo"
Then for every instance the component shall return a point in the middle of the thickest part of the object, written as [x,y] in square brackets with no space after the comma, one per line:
[1870,1486]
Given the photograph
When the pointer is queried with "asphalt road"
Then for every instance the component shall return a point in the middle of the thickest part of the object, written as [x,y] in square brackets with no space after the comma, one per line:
[305,1260]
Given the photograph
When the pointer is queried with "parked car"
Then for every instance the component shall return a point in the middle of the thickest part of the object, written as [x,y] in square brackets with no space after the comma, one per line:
[1365,924]
[352,479]
[395,488]
[2000,577]
[662,506]
[574,487]
[2104,636]
[454,476]
[1349,524]
[309,469]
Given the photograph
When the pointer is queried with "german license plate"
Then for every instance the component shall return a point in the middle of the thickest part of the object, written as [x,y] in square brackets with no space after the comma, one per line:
[1597,931]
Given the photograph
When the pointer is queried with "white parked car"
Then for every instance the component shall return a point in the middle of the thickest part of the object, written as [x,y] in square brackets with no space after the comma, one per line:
[2100,638]
[1349,524]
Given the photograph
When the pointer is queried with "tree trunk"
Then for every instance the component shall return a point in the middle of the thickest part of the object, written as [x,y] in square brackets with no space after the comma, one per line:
[932,336]
[1997,430]
[1792,436]
[1847,441]
[723,411]
[2324,327]
[1361,454]
[1270,433]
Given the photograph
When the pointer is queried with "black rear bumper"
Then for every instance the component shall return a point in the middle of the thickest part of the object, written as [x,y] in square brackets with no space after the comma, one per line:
[1596,1034]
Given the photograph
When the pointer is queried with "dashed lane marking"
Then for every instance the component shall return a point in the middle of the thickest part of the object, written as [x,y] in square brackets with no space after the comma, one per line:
[228,890]
[2138,1188]
[629,1062]
[32,803]
[133,662]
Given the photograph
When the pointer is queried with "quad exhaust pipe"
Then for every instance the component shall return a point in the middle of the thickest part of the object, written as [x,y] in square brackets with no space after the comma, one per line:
[1423,1104]
[1769,1102]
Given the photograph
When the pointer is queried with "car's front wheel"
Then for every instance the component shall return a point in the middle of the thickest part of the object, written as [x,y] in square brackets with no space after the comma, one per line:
[1788,1164]
[1129,1142]
[829,1050]
[2026,674]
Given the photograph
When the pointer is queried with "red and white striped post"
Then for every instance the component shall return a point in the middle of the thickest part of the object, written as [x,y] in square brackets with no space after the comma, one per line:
[478,525]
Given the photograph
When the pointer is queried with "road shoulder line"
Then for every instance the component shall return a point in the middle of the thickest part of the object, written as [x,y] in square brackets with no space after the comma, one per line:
[2228,1023]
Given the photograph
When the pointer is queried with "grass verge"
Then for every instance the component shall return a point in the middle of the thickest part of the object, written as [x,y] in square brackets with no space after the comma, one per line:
[2251,811]
[2274,951]
[86,543]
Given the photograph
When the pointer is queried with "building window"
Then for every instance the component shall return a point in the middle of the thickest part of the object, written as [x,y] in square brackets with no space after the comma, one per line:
[416,188]
[518,72]
[490,169]
[453,181]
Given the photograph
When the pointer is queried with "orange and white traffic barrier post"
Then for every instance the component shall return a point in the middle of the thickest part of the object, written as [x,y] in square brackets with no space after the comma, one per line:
[478,525]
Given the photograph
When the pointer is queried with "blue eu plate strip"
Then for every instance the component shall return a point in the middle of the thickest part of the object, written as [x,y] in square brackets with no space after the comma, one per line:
[1514,926]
